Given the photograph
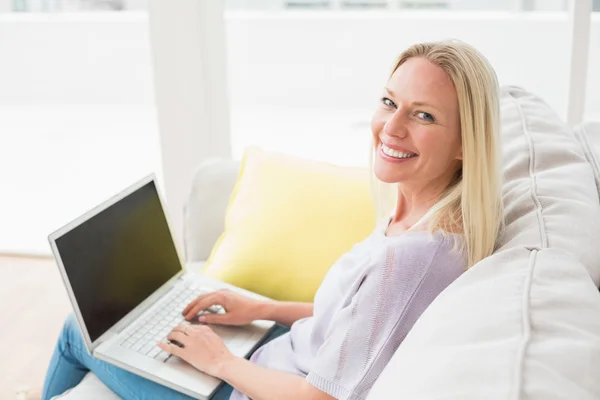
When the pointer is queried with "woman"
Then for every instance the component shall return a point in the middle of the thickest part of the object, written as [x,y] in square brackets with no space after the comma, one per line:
[435,155]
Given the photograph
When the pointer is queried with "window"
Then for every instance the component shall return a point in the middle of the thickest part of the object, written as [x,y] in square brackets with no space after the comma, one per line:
[129,5]
[77,117]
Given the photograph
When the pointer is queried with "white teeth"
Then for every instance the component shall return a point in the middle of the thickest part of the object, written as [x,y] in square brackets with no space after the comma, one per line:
[396,153]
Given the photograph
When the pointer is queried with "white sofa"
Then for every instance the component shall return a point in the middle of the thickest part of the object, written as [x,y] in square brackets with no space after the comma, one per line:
[522,324]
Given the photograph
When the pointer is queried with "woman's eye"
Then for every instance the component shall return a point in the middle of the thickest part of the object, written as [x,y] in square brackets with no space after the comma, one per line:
[425,116]
[387,102]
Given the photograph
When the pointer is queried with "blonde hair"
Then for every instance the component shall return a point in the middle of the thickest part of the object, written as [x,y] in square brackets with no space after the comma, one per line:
[472,203]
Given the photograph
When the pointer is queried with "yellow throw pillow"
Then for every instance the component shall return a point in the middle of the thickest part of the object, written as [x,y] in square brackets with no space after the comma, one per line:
[288,221]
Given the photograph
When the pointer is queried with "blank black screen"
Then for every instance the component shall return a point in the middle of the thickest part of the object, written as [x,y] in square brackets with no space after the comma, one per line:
[117,258]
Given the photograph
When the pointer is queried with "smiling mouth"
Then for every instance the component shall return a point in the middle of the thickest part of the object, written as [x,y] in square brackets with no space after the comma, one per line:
[396,153]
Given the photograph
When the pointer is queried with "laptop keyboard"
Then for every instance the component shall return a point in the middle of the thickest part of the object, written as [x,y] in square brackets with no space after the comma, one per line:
[143,336]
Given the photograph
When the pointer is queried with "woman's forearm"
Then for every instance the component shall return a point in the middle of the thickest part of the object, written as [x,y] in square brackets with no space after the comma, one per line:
[260,383]
[285,312]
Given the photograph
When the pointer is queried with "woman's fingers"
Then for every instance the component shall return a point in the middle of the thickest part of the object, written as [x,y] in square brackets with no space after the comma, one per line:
[193,302]
[189,309]
[183,328]
[178,336]
[189,306]
[203,303]
[170,348]
[209,318]
[195,308]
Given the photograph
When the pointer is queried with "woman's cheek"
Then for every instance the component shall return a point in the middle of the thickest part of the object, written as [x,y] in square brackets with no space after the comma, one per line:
[377,123]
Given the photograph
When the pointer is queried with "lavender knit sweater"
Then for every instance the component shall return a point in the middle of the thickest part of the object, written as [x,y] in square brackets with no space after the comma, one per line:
[367,303]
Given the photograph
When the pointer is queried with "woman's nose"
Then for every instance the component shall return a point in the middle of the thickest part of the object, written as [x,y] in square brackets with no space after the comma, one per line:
[396,126]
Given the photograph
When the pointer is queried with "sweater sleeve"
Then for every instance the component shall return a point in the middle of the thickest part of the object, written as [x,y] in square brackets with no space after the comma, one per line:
[394,292]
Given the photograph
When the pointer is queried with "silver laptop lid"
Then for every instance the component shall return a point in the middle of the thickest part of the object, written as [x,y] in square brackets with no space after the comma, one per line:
[115,256]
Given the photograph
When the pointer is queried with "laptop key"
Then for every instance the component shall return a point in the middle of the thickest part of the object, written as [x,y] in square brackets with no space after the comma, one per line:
[138,345]
[154,352]
[162,356]
[161,325]
[146,348]
[160,321]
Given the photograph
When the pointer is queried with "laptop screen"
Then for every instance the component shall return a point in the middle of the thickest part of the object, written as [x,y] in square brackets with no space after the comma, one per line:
[118,258]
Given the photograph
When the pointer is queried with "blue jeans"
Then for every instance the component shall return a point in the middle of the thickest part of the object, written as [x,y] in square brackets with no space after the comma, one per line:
[71,362]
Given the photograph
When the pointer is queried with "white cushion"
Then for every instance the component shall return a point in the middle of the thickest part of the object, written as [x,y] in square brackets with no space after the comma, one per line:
[204,212]
[525,322]
[591,129]
[588,134]
[521,325]
[549,193]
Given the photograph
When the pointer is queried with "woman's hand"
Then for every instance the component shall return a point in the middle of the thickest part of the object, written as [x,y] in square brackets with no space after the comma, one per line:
[239,310]
[200,347]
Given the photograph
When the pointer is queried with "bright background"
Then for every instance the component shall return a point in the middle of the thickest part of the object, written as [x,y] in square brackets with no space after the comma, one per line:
[78,119]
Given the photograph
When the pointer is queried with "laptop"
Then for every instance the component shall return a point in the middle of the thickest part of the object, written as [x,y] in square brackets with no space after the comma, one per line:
[128,287]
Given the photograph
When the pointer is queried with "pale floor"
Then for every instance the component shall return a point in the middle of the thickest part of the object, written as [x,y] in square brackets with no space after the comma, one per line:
[33,305]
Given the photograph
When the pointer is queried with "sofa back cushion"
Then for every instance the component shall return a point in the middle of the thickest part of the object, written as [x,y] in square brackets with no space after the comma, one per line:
[588,134]
[549,193]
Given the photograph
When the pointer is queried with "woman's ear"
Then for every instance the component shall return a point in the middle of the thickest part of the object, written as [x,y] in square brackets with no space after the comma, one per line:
[459,156]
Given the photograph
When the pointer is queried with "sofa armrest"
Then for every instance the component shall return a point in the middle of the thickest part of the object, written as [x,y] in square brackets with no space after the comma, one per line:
[204,211]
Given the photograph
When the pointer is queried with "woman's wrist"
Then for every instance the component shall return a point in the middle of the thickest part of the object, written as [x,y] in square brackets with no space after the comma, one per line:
[266,310]
[223,368]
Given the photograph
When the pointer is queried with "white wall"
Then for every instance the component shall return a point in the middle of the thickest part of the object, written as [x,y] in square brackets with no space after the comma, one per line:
[311,59]
[5,6]
[95,58]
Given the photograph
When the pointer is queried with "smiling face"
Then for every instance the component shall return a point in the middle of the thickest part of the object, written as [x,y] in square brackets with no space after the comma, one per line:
[416,128]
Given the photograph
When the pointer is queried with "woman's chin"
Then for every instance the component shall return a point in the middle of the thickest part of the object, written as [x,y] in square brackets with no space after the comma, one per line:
[387,177]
